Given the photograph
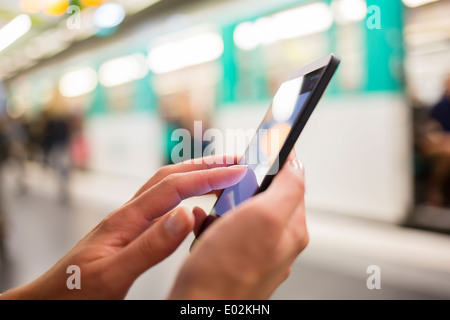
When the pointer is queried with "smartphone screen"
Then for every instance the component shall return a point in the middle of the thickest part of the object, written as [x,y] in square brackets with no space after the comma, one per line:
[261,155]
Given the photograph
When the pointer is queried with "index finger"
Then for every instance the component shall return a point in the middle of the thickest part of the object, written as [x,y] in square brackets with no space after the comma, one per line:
[210,162]
[170,191]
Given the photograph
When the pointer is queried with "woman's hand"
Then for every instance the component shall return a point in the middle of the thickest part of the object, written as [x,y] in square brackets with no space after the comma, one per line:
[248,253]
[136,236]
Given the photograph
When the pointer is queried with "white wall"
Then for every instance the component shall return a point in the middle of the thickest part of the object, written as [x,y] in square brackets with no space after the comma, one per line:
[125,144]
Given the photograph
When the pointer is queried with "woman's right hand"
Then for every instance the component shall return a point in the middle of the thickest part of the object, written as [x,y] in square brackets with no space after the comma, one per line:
[247,254]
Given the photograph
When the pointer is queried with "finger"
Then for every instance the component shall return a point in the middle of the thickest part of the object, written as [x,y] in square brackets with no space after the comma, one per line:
[200,216]
[268,213]
[285,193]
[156,243]
[210,162]
[170,191]
[292,156]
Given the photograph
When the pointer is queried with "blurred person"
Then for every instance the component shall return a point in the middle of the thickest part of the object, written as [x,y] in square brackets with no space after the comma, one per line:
[56,139]
[178,113]
[441,111]
[4,154]
[13,141]
[79,146]
[18,141]
[434,143]
[243,255]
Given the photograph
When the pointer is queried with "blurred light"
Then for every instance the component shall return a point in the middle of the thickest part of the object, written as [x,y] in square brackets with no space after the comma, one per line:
[16,107]
[248,35]
[348,11]
[305,20]
[293,23]
[30,6]
[244,36]
[267,35]
[190,51]
[123,70]
[109,15]
[92,3]
[55,8]
[417,3]
[426,38]
[14,30]
[78,82]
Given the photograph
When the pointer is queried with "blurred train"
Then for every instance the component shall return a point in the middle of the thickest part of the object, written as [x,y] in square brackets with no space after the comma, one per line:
[220,62]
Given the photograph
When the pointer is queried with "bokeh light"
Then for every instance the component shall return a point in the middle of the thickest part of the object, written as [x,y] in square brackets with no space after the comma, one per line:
[55,8]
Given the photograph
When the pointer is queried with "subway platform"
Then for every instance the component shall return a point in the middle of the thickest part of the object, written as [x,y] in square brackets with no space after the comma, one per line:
[40,228]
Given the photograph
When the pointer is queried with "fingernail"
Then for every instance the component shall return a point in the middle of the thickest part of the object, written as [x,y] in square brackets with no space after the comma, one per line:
[239,167]
[175,224]
[297,165]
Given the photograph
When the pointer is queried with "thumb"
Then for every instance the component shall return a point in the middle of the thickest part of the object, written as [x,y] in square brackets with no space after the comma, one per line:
[157,242]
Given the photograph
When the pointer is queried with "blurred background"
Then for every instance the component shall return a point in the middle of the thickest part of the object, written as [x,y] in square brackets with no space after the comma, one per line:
[91,90]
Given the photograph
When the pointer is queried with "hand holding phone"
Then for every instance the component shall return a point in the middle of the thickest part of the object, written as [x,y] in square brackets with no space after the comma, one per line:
[291,108]
[248,253]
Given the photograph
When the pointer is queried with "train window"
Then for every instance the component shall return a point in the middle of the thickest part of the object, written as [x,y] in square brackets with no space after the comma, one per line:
[185,96]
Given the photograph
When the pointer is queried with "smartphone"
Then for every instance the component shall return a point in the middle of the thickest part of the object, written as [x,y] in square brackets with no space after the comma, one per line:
[269,148]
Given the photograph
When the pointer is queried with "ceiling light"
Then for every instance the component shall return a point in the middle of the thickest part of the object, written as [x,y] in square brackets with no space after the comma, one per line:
[190,51]
[78,82]
[293,23]
[349,11]
[305,20]
[109,15]
[15,29]
[123,70]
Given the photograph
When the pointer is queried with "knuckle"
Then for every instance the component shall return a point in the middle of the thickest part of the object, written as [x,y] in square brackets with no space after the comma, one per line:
[287,273]
[170,180]
[293,188]
[163,171]
[205,175]
[297,186]
[106,224]
[302,240]
[146,247]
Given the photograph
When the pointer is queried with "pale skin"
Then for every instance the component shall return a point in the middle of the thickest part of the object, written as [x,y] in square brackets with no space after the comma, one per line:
[246,254]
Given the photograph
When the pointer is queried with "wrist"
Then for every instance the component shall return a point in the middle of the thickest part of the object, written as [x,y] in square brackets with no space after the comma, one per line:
[25,292]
